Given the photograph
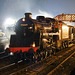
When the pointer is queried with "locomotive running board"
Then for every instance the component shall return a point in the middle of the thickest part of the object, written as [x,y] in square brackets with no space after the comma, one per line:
[50,33]
[14,49]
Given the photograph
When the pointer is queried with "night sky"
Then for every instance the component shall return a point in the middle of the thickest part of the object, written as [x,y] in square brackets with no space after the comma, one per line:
[16,8]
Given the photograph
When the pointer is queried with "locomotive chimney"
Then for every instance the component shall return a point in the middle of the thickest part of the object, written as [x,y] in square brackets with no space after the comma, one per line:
[28,15]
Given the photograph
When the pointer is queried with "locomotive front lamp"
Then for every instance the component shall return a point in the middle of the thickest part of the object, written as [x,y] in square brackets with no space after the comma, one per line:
[23,19]
[33,44]
[11,53]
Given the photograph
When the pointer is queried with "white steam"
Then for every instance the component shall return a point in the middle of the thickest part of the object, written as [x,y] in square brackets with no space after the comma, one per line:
[43,13]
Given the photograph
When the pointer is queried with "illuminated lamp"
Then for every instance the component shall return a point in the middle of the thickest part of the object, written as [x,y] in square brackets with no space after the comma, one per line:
[23,19]
[33,44]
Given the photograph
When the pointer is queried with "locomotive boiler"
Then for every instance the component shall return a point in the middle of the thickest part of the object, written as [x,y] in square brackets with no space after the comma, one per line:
[40,37]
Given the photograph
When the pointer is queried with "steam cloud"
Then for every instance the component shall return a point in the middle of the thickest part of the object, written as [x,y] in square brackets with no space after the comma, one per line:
[43,13]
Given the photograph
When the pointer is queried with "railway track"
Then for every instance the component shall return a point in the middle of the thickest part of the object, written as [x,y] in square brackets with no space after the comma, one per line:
[6,70]
[2,52]
[50,73]
[46,65]
[3,55]
[4,59]
[22,66]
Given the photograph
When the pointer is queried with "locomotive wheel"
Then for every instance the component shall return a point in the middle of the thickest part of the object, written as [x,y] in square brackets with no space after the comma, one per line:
[7,51]
[42,56]
[50,52]
[61,47]
[67,44]
[15,57]
[31,57]
[35,58]
[24,56]
[63,44]
[11,58]
[54,52]
[46,54]
[39,57]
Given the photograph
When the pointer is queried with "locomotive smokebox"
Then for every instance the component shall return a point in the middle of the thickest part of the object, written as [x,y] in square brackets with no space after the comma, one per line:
[28,15]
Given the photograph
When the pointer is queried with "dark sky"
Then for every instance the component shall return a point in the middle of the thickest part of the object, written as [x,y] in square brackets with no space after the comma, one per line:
[16,8]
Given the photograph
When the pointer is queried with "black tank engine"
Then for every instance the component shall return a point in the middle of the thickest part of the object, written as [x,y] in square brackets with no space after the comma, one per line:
[40,37]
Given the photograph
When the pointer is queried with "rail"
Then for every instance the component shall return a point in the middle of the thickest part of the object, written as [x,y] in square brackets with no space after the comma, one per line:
[33,69]
[60,64]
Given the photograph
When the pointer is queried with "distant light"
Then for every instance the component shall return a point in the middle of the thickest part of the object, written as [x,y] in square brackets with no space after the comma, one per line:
[9,21]
[0,34]
[11,53]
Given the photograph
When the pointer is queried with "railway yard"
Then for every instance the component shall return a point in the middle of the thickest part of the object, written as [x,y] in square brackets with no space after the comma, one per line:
[62,63]
[37,37]
[41,46]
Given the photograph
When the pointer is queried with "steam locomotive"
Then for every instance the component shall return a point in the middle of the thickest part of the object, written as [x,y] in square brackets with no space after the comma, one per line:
[40,37]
